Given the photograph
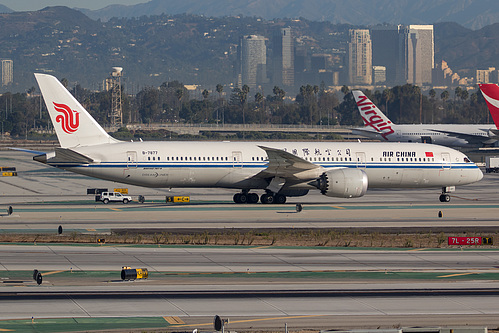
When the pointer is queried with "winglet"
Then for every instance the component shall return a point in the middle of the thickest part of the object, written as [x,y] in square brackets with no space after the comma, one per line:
[73,125]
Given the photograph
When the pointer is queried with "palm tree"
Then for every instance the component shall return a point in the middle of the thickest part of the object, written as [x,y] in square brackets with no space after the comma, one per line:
[258,102]
[205,94]
[243,96]
[444,96]
[220,89]
[179,93]
[387,95]
[432,94]
[345,90]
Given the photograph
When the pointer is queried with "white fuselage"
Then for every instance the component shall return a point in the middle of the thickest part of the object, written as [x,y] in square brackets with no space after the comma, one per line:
[435,133]
[237,164]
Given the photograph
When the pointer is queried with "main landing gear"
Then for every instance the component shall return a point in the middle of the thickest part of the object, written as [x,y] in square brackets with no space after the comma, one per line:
[252,198]
[246,197]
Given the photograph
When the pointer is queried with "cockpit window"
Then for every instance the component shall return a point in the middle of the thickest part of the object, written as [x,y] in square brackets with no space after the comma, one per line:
[467,160]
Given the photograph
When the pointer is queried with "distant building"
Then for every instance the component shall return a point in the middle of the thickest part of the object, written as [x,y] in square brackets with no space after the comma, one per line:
[253,60]
[443,76]
[7,72]
[379,74]
[385,50]
[283,68]
[360,57]
[416,55]
[485,75]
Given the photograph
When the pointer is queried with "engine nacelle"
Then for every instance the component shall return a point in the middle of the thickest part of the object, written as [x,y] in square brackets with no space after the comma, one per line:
[493,133]
[343,183]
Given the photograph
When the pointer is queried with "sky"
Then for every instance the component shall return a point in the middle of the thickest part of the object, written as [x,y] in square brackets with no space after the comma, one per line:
[29,5]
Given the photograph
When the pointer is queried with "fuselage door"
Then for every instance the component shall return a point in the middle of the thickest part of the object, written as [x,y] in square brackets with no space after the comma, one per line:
[237,159]
[446,161]
[361,159]
[131,159]
[426,139]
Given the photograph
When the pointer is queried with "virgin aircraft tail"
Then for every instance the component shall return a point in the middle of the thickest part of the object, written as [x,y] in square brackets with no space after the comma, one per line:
[371,115]
[490,92]
[73,125]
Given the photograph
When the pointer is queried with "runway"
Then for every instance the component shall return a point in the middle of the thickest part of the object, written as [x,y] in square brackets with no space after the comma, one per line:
[305,287]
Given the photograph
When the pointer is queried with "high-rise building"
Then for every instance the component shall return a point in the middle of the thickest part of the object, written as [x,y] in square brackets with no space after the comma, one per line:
[7,72]
[416,54]
[360,57]
[385,50]
[253,60]
[283,68]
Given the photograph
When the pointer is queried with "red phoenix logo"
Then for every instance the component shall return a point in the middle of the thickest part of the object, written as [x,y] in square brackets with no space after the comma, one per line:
[69,119]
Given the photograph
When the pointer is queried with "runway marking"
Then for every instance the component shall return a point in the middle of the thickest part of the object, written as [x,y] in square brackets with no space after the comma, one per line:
[91,230]
[415,250]
[53,272]
[260,247]
[115,209]
[459,274]
[174,320]
[5,330]
[338,207]
[254,320]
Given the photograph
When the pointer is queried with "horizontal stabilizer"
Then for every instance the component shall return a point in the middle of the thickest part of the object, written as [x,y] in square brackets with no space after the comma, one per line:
[63,155]
[36,152]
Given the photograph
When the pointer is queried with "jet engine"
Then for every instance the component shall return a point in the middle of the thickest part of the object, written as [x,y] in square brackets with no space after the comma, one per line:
[493,133]
[343,183]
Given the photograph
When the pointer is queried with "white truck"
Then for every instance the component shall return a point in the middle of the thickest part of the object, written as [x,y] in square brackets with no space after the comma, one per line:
[492,164]
[107,197]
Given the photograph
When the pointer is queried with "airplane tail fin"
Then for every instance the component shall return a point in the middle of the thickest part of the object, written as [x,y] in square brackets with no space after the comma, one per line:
[73,125]
[490,92]
[372,115]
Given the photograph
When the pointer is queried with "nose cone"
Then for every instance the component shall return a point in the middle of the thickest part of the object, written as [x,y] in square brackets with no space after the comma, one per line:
[479,174]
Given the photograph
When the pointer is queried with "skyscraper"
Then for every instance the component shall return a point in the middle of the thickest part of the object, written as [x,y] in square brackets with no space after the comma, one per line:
[385,50]
[360,57]
[416,54]
[283,58]
[7,72]
[253,60]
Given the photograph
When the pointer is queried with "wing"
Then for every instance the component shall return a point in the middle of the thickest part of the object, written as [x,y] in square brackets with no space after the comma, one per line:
[470,138]
[284,165]
[368,133]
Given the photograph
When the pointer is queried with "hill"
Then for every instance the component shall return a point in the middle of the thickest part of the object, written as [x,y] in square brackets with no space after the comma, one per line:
[5,9]
[187,48]
[473,14]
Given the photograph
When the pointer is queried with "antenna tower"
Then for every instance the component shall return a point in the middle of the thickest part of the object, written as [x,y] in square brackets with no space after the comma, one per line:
[116,110]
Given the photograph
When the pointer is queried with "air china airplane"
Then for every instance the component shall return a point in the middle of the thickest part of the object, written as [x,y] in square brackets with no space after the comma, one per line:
[378,126]
[280,170]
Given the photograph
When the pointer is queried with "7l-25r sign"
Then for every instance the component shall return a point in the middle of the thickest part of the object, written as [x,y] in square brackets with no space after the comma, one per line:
[470,241]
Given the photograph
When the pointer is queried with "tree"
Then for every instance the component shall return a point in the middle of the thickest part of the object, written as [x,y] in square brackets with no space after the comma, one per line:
[220,89]
[345,90]
[205,94]
[387,96]
[243,96]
